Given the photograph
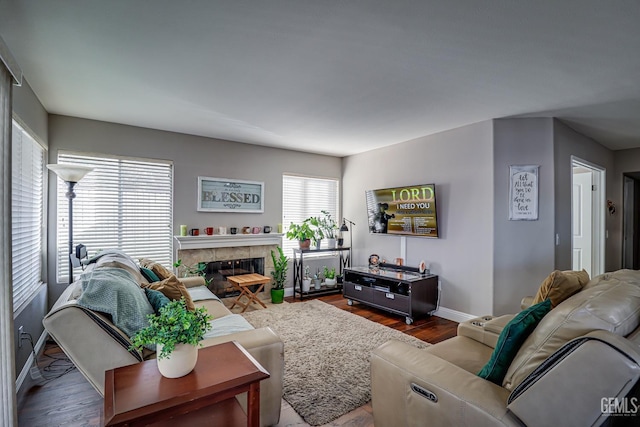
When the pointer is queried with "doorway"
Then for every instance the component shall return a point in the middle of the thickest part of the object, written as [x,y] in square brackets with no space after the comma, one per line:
[630,219]
[587,216]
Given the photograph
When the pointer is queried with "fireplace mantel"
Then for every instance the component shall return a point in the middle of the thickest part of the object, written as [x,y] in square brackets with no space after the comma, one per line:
[227,240]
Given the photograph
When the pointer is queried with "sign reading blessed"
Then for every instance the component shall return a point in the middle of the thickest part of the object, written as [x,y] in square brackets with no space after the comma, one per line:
[523,192]
[230,195]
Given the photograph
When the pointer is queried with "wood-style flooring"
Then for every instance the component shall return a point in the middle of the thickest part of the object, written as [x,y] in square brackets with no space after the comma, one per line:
[71,401]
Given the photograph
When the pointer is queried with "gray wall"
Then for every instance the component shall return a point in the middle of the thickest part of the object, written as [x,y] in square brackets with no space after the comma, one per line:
[30,113]
[567,143]
[460,163]
[523,250]
[625,161]
[192,156]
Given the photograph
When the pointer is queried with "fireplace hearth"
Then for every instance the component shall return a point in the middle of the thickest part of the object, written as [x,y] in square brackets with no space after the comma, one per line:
[218,271]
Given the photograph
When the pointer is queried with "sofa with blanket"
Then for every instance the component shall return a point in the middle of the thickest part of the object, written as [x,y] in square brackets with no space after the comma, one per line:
[95,317]
[570,359]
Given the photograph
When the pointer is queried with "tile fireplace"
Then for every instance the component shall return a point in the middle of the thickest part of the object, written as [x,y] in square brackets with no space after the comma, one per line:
[228,255]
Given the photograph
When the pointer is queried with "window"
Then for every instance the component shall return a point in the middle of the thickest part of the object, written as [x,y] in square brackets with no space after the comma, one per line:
[27,225]
[123,203]
[303,197]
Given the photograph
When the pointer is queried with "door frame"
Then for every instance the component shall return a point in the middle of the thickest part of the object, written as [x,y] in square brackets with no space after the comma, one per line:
[598,205]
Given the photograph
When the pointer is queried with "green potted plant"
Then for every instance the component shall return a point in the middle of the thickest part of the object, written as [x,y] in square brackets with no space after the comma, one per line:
[329,276]
[197,269]
[279,274]
[302,233]
[327,228]
[306,280]
[176,333]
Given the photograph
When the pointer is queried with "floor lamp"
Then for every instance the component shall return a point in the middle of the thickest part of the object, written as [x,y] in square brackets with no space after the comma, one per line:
[70,174]
[345,228]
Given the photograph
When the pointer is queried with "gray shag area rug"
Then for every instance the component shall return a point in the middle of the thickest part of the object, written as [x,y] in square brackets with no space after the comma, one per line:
[327,352]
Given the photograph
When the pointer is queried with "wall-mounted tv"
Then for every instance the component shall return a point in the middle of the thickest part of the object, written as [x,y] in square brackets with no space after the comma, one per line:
[409,210]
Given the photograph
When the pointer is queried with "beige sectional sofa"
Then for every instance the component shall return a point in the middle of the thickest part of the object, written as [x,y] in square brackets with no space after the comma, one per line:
[94,344]
[575,369]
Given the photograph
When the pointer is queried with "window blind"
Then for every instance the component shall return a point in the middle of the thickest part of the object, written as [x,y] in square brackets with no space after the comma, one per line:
[27,190]
[303,197]
[123,203]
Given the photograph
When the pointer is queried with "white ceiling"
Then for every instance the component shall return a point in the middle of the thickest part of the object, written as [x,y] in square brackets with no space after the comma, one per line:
[332,76]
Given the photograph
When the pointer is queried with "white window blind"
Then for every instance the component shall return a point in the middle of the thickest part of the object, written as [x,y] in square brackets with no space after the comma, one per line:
[27,189]
[303,197]
[123,203]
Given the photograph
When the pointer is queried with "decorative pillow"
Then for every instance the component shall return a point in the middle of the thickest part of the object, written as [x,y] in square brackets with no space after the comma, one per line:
[156,299]
[149,275]
[510,340]
[173,289]
[560,285]
[159,269]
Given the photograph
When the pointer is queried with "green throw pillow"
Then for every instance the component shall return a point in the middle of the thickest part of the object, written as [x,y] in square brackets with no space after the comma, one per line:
[510,340]
[156,299]
[149,274]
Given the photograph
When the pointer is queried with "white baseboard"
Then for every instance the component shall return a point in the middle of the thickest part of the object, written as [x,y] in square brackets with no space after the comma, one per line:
[456,316]
[24,373]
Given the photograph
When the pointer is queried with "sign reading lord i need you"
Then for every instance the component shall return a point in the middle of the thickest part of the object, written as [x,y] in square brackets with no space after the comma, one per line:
[230,195]
[523,193]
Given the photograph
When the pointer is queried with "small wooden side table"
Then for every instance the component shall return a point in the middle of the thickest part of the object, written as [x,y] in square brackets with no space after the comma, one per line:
[242,283]
[138,395]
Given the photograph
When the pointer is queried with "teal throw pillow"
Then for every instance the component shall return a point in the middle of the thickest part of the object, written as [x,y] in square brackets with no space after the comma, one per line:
[156,299]
[149,275]
[510,340]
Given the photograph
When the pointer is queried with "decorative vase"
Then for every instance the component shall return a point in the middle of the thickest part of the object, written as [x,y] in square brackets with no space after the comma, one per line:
[331,243]
[180,362]
[340,241]
[277,296]
[318,243]
[330,282]
[306,285]
[304,244]
[317,283]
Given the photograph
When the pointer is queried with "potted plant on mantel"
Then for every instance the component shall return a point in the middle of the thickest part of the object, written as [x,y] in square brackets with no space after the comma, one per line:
[176,332]
[279,274]
[302,233]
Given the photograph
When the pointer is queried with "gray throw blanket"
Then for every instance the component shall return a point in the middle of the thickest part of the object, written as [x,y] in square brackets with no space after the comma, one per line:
[115,292]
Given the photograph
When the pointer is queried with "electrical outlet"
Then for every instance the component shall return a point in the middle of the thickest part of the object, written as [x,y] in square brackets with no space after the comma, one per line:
[20,332]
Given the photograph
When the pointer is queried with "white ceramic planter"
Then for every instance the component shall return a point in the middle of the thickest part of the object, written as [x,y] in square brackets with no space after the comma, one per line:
[331,243]
[306,285]
[180,362]
[330,282]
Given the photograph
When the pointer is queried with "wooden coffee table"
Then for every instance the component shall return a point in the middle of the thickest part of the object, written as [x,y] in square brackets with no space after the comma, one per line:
[242,283]
[137,395]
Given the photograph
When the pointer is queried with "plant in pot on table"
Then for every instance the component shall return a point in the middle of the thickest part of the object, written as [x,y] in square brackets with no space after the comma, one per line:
[329,276]
[326,228]
[306,280]
[302,233]
[279,274]
[176,332]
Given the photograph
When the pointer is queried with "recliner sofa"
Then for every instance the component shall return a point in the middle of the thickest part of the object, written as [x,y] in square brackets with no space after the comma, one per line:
[576,368]
[95,344]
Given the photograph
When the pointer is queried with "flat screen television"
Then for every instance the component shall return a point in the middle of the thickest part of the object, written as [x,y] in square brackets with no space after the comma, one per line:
[409,210]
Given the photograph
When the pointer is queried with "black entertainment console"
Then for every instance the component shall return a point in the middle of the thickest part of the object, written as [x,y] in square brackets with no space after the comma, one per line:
[398,289]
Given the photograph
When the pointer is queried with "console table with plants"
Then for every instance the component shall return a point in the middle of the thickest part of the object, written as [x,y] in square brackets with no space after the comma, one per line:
[344,260]
[398,289]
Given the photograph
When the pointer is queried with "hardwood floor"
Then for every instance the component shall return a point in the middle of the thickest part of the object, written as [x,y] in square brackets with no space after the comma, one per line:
[71,401]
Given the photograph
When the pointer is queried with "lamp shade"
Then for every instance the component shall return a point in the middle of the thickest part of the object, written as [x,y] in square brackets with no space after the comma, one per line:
[70,173]
[344,227]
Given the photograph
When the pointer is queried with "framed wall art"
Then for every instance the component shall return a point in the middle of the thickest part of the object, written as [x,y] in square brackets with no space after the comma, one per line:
[523,193]
[230,195]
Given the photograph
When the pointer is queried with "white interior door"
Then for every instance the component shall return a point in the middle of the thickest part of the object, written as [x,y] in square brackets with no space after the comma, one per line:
[582,220]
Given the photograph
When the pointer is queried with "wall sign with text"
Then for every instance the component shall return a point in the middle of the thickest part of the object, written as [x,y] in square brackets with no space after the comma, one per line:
[523,193]
[230,195]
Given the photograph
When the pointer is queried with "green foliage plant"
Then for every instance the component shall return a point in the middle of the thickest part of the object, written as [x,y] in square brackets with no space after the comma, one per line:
[300,232]
[280,267]
[325,224]
[329,274]
[174,324]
